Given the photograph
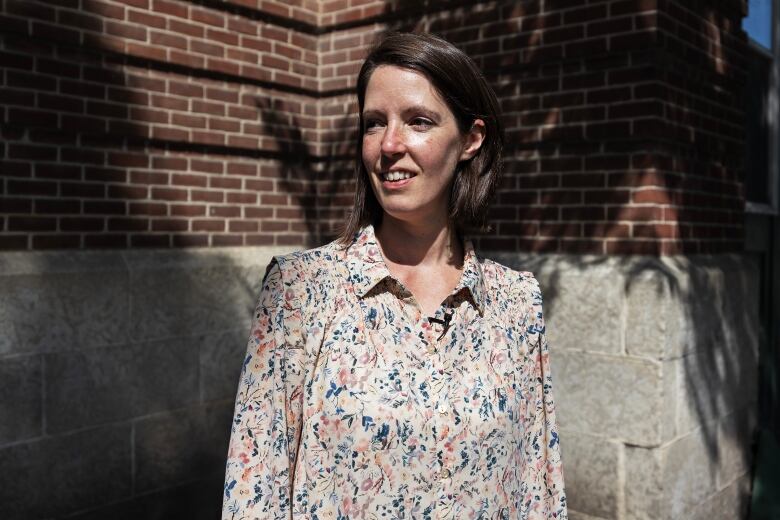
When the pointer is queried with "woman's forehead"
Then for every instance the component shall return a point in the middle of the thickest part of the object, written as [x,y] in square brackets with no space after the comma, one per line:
[390,85]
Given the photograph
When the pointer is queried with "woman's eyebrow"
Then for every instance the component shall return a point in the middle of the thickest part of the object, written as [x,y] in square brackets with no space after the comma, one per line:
[407,111]
[372,113]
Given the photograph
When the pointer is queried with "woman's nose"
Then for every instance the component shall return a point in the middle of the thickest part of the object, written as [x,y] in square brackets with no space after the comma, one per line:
[392,141]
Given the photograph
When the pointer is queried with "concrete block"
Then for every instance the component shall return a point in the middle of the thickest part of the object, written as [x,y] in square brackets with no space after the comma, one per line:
[689,472]
[21,398]
[221,356]
[58,475]
[174,302]
[51,311]
[587,311]
[590,465]
[101,385]
[178,446]
[712,384]
[613,396]
[671,371]
[644,487]
[728,504]
[734,441]
[655,312]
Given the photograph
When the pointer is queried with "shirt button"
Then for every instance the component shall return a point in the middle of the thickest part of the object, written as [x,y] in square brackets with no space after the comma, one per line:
[442,408]
[431,349]
[445,473]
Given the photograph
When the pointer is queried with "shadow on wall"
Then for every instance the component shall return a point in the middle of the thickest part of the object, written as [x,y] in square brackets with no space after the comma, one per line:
[320,186]
[118,368]
[660,353]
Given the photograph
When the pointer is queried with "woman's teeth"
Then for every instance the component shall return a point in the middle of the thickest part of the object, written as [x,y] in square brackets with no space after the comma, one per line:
[397,176]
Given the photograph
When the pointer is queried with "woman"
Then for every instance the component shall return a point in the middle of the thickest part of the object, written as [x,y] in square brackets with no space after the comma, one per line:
[394,373]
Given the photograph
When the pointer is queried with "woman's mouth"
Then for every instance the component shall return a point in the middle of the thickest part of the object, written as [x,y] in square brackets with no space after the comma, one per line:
[396,176]
[396,179]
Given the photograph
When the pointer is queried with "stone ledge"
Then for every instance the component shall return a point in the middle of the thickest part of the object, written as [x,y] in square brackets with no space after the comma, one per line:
[54,301]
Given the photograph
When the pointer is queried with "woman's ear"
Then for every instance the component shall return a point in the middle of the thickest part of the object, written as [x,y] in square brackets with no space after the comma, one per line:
[473,140]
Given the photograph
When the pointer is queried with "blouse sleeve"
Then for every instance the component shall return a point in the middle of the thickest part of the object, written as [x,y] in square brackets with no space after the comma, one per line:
[545,469]
[266,423]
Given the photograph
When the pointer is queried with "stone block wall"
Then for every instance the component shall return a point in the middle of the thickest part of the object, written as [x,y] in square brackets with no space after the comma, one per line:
[118,373]
[655,370]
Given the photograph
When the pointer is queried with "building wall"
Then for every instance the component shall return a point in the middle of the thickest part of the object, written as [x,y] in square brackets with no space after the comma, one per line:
[145,140]
[654,363]
[172,124]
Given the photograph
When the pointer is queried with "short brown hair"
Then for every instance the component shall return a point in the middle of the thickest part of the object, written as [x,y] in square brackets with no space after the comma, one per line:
[462,86]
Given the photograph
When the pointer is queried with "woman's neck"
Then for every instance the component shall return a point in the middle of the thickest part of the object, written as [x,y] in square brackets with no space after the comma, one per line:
[419,244]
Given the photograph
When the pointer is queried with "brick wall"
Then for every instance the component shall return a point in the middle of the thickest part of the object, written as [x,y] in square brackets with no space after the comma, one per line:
[624,118]
[156,123]
[167,123]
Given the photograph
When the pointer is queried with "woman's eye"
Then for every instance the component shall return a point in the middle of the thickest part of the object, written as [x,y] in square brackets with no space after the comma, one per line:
[371,124]
[421,122]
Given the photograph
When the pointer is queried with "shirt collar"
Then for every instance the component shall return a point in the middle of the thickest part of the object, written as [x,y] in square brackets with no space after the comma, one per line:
[367,267]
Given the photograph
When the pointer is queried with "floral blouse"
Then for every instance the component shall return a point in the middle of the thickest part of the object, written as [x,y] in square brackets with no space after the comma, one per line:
[353,404]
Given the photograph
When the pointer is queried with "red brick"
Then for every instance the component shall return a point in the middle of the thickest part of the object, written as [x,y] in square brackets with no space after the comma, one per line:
[57,241]
[170,7]
[169,134]
[146,19]
[149,240]
[189,210]
[76,224]
[255,212]
[124,30]
[57,206]
[17,223]
[104,207]
[229,183]
[168,194]
[207,196]
[190,240]
[241,198]
[167,40]
[170,225]
[27,9]
[227,240]
[206,107]
[635,213]
[112,241]
[185,89]
[242,226]
[208,225]
[633,247]
[189,29]
[20,187]
[209,49]
[178,179]
[148,208]
[207,17]
[128,224]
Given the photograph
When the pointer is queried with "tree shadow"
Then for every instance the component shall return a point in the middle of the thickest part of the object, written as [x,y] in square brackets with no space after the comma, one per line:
[317,183]
[687,160]
[131,346]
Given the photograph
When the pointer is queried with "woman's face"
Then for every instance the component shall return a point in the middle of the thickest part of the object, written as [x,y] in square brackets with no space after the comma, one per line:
[412,144]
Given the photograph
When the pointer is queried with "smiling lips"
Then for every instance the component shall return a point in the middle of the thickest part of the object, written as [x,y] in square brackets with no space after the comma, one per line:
[396,176]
